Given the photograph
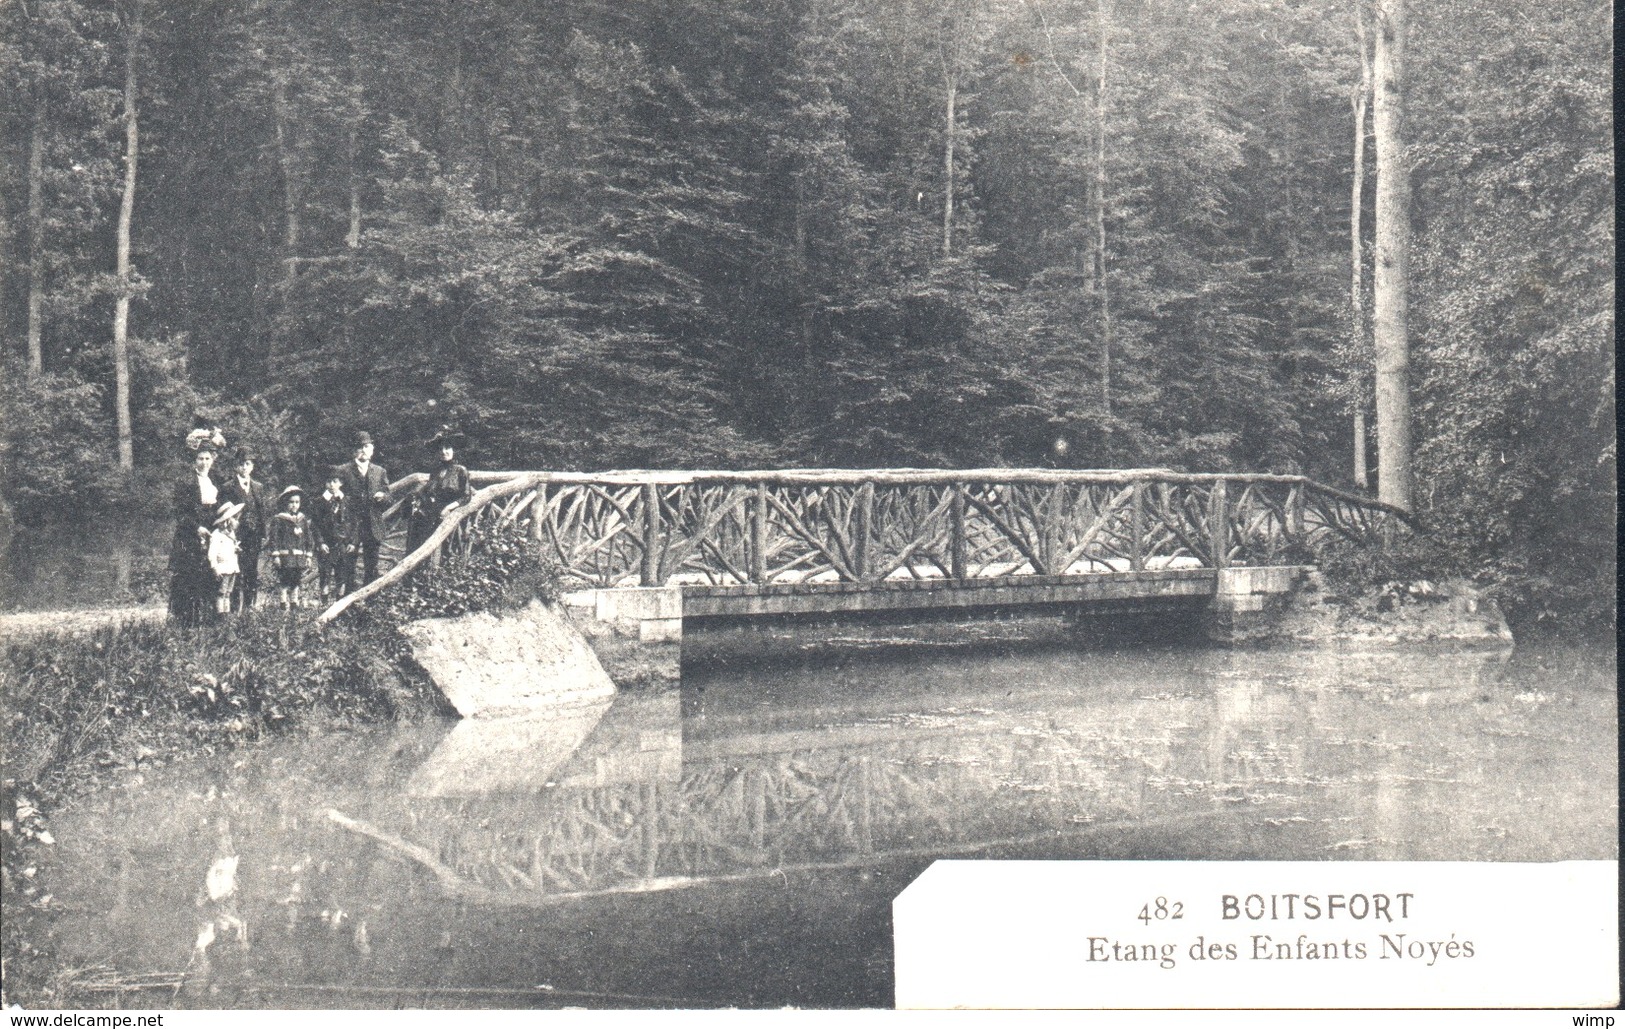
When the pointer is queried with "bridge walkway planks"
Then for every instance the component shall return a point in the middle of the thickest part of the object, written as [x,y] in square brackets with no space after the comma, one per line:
[935,594]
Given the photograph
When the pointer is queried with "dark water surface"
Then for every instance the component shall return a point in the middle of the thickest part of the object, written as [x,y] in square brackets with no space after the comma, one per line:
[738,842]
[99,564]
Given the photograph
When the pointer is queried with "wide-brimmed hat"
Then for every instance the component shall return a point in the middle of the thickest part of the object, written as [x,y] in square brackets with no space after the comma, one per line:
[446,436]
[289,491]
[227,511]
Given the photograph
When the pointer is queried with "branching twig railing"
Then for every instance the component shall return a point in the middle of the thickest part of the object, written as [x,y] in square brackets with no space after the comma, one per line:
[426,550]
[793,527]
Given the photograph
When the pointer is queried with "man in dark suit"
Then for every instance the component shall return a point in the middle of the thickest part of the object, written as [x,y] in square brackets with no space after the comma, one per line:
[366,486]
[240,487]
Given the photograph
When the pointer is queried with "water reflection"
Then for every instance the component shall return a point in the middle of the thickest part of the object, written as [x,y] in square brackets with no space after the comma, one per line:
[505,755]
[740,844]
[114,564]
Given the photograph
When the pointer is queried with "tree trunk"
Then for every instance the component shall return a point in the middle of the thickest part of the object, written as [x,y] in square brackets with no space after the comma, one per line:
[126,215]
[36,230]
[358,114]
[1362,477]
[952,82]
[809,364]
[290,221]
[1094,261]
[352,239]
[1390,281]
[1099,205]
[1357,318]
[801,225]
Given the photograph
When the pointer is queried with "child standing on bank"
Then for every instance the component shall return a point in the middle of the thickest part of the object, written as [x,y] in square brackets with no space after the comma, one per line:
[289,543]
[223,553]
[330,518]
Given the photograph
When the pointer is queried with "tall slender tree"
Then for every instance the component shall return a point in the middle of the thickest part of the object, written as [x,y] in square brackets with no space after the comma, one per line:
[54,108]
[1097,202]
[130,11]
[1391,281]
[36,232]
[957,31]
[1359,102]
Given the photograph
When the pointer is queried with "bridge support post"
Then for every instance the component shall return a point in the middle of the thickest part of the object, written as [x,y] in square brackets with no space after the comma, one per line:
[1294,514]
[1136,560]
[863,516]
[1218,525]
[538,514]
[758,534]
[637,633]
[956,539]
[650,571]
[1247,601]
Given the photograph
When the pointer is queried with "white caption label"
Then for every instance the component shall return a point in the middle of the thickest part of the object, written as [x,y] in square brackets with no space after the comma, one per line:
[1264,934]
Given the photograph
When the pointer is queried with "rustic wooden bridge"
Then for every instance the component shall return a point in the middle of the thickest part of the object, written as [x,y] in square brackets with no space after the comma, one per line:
[660,546]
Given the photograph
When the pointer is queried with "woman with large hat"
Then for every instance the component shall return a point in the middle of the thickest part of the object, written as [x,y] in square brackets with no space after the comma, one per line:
[192,582]
[446,487]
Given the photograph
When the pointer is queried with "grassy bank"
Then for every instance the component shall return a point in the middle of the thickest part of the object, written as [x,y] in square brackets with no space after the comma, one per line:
[80,708]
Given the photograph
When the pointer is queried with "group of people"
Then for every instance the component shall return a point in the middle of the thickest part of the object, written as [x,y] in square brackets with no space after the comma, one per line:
[225,525]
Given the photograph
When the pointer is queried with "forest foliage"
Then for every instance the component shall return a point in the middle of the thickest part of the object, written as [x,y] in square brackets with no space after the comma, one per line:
[682,233]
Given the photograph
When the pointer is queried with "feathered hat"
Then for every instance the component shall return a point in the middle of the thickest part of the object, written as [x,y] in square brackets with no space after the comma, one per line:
[205,438]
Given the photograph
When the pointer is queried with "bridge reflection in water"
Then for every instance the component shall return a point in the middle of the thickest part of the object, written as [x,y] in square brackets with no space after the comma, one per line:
[649,800]
[739,843]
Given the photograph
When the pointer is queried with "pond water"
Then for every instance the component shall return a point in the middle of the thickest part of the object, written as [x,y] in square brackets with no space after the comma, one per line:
[101,564]
[739,841]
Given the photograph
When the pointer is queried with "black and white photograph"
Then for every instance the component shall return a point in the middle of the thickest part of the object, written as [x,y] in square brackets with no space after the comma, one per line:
[581,504]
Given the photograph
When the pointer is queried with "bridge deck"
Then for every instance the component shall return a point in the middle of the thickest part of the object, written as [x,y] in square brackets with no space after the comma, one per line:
[927,594]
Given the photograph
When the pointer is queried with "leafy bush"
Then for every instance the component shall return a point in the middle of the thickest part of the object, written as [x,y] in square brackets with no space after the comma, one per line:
[1278,550]
[502,570]
[1370,568]
[165,400]
[274,436]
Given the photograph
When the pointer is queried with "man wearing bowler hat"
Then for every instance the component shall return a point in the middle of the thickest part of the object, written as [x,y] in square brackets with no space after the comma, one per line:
[366,485]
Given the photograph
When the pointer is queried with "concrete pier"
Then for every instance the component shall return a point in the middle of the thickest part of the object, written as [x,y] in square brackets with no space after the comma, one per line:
[637,631]
[1247,600]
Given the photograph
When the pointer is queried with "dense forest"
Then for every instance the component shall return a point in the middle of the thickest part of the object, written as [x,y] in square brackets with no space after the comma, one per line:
[711,233]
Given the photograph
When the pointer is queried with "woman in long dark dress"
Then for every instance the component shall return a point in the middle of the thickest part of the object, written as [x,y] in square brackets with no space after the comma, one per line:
[192,583]
[446,487]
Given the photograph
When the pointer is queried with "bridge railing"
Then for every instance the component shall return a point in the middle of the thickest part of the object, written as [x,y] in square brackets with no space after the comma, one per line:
[807,527]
